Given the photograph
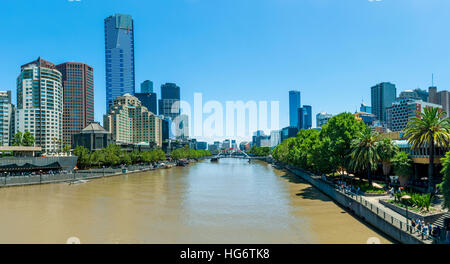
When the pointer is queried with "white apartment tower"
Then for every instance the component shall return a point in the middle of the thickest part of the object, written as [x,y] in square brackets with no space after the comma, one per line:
[40,104]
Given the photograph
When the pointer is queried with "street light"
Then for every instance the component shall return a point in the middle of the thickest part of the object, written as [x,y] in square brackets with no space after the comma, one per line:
[406,198]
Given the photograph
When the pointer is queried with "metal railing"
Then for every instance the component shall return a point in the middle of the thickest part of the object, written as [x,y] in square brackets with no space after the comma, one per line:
[399,224]
[17,180]
[402,225]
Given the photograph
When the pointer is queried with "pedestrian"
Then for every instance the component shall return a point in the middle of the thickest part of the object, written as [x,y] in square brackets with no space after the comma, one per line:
[357,190]
[392,192]
[413,224]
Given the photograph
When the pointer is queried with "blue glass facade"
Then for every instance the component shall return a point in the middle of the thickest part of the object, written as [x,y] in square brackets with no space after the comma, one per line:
[119,56]
[148,100]
[305,117]
[147,87]
[294,105]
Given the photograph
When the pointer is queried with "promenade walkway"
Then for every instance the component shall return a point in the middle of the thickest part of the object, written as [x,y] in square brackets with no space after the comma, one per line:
[396,222]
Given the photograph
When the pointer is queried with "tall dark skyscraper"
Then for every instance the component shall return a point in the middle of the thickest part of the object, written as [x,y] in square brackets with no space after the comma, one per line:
[147,86]
[170,94]
[294,105]
[119,56]
[78,98]
[148,97]
[305,117]
[383,95]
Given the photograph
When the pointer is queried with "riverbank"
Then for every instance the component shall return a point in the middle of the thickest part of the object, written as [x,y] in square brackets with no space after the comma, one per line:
[376,216]
[14,181]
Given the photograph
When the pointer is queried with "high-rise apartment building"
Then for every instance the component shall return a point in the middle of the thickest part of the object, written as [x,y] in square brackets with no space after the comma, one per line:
[6,118]
[294,105]
[40,104]
[383,95]
[130,122]
[119,56]
[78,98]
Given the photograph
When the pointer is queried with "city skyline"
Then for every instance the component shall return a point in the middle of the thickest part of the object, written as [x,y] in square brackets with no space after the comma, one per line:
[195,73]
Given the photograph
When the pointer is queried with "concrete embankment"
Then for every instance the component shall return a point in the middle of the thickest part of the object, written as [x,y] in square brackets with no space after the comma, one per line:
[12,181]
[373,215]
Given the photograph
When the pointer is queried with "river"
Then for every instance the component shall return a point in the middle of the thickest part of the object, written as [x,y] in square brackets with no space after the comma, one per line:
[231,201]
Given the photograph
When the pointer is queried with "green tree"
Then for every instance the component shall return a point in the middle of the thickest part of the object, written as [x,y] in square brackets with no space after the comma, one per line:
[387,151]
[364,153]
[429,130]
[341,130]
[402,164]
[18,139]
[83,155]
[67,149]
[28,139]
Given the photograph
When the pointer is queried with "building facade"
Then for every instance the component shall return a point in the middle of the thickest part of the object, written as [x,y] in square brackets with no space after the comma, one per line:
[365,108]
[288,132]
[367,118]
[432,95]
[294,105]
[93,137]
[78,98]
[40,104]
[170,95]
[402,111]
[444,100]
[382,95]
[322,119]
[422,94]
[6,118]
[148,100]
[130,123]
[147,86]
[275,138]
[119,56]
[305,117]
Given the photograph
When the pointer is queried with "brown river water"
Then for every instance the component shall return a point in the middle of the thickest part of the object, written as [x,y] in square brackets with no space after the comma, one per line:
[227,202]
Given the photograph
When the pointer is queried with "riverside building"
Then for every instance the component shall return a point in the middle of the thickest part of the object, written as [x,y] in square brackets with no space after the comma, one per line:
[78,98]
[40,104]
[131,123]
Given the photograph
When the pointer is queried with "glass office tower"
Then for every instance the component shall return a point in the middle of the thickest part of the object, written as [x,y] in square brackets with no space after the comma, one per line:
[294,105]
[119,56]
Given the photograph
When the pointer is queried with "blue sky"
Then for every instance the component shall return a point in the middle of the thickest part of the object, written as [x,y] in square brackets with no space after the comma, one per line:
[333,51]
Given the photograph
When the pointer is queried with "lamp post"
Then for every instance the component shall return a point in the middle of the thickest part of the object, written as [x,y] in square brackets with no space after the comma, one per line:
[406,198]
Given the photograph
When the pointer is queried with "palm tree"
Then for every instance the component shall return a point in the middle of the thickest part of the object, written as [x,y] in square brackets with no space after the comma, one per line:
[430,129]
[387,151]
[365,153]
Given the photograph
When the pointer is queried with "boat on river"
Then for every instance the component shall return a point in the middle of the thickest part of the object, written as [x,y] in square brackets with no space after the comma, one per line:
[78,181]
[214,159]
